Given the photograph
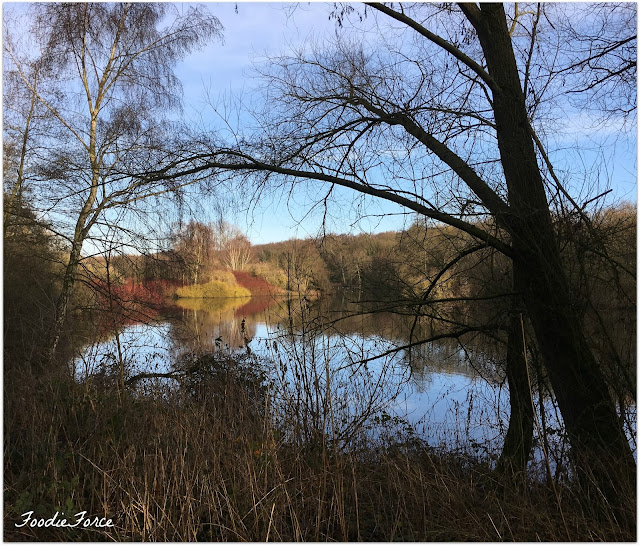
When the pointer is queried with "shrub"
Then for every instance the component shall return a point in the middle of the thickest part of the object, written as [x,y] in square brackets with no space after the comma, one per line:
[222,275]
[256,285]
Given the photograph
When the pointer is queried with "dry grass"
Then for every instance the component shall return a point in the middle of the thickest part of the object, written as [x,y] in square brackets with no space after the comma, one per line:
[213,289]
[205,462]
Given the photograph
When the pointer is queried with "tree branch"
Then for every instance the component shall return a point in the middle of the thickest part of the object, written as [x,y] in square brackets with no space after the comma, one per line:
[449,335]
[439,41]
[251,165]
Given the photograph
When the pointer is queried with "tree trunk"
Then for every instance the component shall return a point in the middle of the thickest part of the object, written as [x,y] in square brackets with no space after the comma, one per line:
[62,303]
[519,437]
[601,451]
[68,282]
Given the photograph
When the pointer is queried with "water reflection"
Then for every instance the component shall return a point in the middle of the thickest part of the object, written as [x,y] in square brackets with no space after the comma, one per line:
[201,326]
[321,367]
[323,374]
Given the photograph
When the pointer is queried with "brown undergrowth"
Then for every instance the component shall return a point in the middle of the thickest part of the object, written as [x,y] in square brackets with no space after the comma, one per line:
[205,462]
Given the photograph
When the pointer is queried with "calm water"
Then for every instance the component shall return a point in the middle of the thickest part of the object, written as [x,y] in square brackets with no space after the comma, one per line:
[323,371]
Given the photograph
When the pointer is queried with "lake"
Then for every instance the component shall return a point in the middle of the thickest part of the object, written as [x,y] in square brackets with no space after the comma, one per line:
[332,366]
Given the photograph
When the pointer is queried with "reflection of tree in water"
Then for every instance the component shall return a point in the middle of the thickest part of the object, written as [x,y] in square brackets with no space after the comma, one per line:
[472,354]
[472,357]
[207,325]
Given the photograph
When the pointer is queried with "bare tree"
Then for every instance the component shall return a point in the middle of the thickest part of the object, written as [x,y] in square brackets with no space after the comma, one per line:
[194,243]
[600,59]
[106,77]
[20,112]
[237,250]
[438,116]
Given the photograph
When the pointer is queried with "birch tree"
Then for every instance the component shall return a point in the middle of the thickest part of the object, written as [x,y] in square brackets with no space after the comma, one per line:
[106,78]
[194,244]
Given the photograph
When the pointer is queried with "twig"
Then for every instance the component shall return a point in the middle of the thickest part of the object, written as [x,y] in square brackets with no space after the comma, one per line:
[270,521]
[535,416]
[144,375]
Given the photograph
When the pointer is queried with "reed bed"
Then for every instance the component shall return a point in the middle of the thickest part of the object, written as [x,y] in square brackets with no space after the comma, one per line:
[206,462]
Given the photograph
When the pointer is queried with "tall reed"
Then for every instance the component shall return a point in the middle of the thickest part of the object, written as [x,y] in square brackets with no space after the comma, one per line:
[207,460]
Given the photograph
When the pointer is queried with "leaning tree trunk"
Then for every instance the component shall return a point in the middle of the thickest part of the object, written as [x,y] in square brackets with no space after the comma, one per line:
[519,438]
[601,451]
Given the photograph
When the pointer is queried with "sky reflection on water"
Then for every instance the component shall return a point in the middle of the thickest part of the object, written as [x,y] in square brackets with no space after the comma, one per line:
[450,407]
[438,397]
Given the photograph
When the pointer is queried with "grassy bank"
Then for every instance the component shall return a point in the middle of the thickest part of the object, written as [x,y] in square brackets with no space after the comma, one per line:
[220,284]
[229,284]
[206,462]
[212,289]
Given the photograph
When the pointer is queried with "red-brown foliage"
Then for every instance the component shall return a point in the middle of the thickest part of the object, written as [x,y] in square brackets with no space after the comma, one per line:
[255,285]
[132,302]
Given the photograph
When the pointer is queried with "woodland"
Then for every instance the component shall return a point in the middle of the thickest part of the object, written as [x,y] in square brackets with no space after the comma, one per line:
[451,112]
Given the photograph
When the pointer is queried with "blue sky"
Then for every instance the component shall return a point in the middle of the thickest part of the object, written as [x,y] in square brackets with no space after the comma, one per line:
[256,30]
[267,28]
[253,30]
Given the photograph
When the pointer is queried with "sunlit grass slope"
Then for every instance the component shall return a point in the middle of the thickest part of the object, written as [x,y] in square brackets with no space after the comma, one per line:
[221,284]
[212,289]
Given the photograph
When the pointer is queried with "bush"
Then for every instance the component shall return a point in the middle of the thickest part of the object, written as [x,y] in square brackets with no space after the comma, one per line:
[222,275]
[256,285]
